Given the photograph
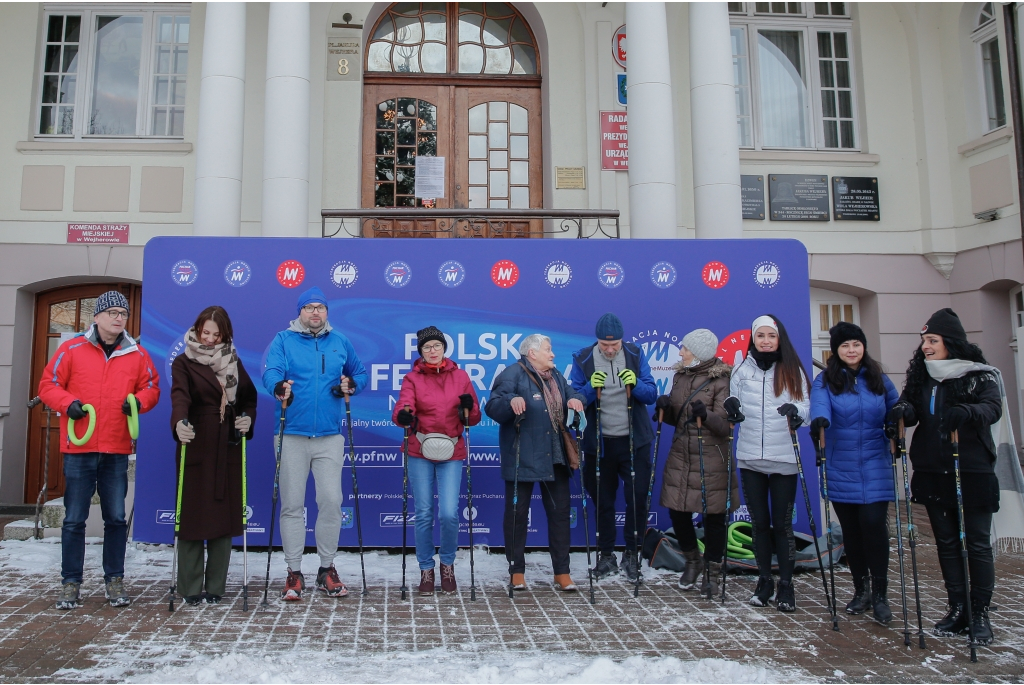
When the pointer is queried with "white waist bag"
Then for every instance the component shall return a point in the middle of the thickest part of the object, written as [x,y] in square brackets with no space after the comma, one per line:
[437,446]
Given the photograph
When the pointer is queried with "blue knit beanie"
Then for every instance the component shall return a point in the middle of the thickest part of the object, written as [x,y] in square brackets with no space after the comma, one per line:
[312,296]
[110,299]
[609,328]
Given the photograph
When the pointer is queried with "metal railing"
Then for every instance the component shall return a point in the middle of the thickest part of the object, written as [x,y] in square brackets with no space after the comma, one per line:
[410,222]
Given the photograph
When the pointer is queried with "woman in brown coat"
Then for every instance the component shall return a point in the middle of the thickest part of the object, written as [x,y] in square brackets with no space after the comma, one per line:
[210,388]
[699,389]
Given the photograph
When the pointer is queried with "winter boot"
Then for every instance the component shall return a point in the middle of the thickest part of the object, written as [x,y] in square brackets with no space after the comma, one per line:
[294,584]
[981,624]
[448,584]
[518,581]
[954,622]
[879,601]
[785,598]
[427,583]
[709,587]
[328,582]
[861,597]
[630,567]
[193,600]
[211,599]
[116,594]
[694,567]
[607,565]
[563,582]
[764,592]
[69,596]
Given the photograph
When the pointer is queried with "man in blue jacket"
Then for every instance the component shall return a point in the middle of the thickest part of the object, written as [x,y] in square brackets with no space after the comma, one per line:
[611,365]
[310,368]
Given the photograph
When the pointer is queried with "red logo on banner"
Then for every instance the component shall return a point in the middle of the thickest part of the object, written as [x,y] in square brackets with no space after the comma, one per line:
[715,275]
[505,273]
[614,141]
[733,347]
[290,273]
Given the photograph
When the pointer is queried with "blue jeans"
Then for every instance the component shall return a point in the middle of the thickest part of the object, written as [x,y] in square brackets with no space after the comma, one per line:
[448,475]
[85,474]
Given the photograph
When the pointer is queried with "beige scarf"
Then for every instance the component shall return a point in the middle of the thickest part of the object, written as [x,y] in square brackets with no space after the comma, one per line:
[222,360]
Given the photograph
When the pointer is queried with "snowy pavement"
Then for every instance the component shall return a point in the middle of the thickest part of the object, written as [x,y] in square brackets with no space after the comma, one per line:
[543,636]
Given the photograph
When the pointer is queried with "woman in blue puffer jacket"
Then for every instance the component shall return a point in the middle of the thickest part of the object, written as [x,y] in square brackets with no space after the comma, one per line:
[850,400]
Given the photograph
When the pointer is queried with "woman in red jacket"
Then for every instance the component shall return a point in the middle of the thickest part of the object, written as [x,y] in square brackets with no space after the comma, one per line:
[437,399]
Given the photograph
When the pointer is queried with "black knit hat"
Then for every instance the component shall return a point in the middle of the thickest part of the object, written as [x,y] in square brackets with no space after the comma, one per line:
[844,331]
[946,323]
[425,335]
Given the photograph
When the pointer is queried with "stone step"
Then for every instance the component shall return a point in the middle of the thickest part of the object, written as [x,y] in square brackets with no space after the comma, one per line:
[25,529]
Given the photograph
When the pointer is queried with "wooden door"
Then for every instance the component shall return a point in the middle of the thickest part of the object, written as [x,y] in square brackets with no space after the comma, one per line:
[62,311]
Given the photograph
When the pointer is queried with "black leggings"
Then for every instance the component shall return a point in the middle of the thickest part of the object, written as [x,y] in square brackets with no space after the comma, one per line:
[686,534]
[776,521]
[866,537]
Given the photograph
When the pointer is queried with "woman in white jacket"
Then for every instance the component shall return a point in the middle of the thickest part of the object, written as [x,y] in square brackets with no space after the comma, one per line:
[770,395]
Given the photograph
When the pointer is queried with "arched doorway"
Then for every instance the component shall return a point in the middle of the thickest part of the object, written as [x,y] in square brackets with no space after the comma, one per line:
[61,313]
[459,81]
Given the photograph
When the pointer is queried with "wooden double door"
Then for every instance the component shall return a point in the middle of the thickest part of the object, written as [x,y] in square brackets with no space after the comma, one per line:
[489,137]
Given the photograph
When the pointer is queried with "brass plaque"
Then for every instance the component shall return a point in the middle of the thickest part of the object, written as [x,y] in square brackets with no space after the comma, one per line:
[570,177]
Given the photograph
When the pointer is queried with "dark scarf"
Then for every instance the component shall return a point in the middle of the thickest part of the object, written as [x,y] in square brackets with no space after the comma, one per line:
[765,360]
[552,398]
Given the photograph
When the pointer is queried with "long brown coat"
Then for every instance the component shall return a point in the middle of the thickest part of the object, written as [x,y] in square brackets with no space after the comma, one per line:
[211,498]
[680,488]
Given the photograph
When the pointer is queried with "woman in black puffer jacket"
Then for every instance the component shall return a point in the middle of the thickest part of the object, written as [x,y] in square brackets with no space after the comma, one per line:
[950,388]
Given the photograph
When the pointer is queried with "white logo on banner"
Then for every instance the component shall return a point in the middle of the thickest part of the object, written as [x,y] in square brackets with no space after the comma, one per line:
[558,274]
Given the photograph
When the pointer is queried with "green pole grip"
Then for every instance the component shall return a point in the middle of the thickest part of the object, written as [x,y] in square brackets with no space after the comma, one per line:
[133,418]
[79,441]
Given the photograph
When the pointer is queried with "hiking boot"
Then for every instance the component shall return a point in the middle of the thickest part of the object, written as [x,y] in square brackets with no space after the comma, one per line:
[861,597]
[294,584]
[328,582]
[563,582]
[709,587]
[764,592]
[954,622]
[193,600]
[982,627]
[785,599]
[879,601]
[448,584]
[427,583]
[69,596]
[630,566]
[694,567]
[607,565]
[116,594]
[518,581]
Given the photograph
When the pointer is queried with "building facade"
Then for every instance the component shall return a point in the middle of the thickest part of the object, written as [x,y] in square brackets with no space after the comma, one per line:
[123,122]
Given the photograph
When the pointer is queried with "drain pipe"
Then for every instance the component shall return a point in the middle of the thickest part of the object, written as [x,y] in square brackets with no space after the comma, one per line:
[1010,28]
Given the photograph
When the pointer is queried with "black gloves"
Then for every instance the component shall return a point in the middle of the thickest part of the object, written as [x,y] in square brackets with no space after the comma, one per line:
[817,424]
[126,408]
[732,408]
[337,391]
[663,402]
[75,411]
[698,410]
[902,410]
[955,417]
[466,402]
[405,417]
[792,414]
[891,431]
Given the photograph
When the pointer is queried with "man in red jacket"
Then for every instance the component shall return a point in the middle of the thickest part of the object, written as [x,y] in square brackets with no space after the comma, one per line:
[98,370]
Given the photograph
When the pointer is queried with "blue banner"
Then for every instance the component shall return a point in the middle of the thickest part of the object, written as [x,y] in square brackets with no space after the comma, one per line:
[486,295]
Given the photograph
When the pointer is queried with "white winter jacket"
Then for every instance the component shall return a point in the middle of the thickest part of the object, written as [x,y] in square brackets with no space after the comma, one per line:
[765,433]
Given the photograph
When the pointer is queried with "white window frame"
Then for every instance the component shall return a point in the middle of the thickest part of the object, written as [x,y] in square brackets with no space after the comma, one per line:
[820,338]
[86,65]
[981,35]
[808,25]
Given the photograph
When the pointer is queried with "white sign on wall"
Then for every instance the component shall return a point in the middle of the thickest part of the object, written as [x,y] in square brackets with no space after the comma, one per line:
[429,177]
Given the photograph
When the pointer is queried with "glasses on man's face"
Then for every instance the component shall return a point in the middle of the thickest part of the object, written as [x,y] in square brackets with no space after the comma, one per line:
[433,348]
[314,309]
[117,314]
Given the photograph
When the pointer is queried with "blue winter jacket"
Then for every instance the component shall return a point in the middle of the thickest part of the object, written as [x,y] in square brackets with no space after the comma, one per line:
[316,364]
[857,456]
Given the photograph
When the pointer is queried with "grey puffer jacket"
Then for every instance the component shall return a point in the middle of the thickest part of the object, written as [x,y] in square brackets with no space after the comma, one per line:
[765,433]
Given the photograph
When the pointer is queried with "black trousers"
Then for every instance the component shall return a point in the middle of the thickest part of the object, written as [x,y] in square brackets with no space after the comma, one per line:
[686,534]
[977,525]
[866,537]
[555,497]
[615,465]
[774,523]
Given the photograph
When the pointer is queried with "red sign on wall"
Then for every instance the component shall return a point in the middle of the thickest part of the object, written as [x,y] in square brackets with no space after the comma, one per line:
[116,234]
[614,145]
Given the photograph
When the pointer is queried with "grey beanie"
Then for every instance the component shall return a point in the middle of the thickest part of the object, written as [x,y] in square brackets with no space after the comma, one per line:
[109,300]
[701,343]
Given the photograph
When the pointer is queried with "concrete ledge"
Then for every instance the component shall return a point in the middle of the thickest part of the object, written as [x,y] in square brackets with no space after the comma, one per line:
[986,142]
[101,147]
[808,158]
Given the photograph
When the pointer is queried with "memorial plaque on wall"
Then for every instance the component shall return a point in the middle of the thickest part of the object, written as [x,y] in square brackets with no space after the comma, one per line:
[344,55]
[797,197]
[752,191]
[855,198]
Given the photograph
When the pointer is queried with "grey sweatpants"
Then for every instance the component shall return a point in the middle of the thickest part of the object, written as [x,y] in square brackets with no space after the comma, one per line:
[324,457]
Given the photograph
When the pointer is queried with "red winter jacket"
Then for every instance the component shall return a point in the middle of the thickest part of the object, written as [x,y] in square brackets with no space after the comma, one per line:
[80,370]
[433,396]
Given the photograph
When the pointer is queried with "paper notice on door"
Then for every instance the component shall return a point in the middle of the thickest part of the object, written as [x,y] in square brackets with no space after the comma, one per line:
[429,177]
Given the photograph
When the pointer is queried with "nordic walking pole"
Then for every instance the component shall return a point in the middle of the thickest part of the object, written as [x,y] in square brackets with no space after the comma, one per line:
[911,529]
[583,495]
[515,507]
[245,531]
[955,437]
[728,511]
[405,504]
[273,503]
[654,464]
[177,527]
[469,506]
[899,548]
[597,484]
[810,519]
[828,523]
[355,489]
[703,496]
[632,485]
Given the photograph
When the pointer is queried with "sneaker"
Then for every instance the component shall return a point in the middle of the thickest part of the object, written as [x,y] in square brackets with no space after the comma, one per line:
[116,594]
[764,592]
[861,597]
[954,622]
[193,600]
[563,582]
[879,601]
[785,599]
[982,627]
[448,584]
[630,566]
[69,596]
[427,583]
[607,565]
[694,567]
[518,581]
[328,582]
[294,584]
